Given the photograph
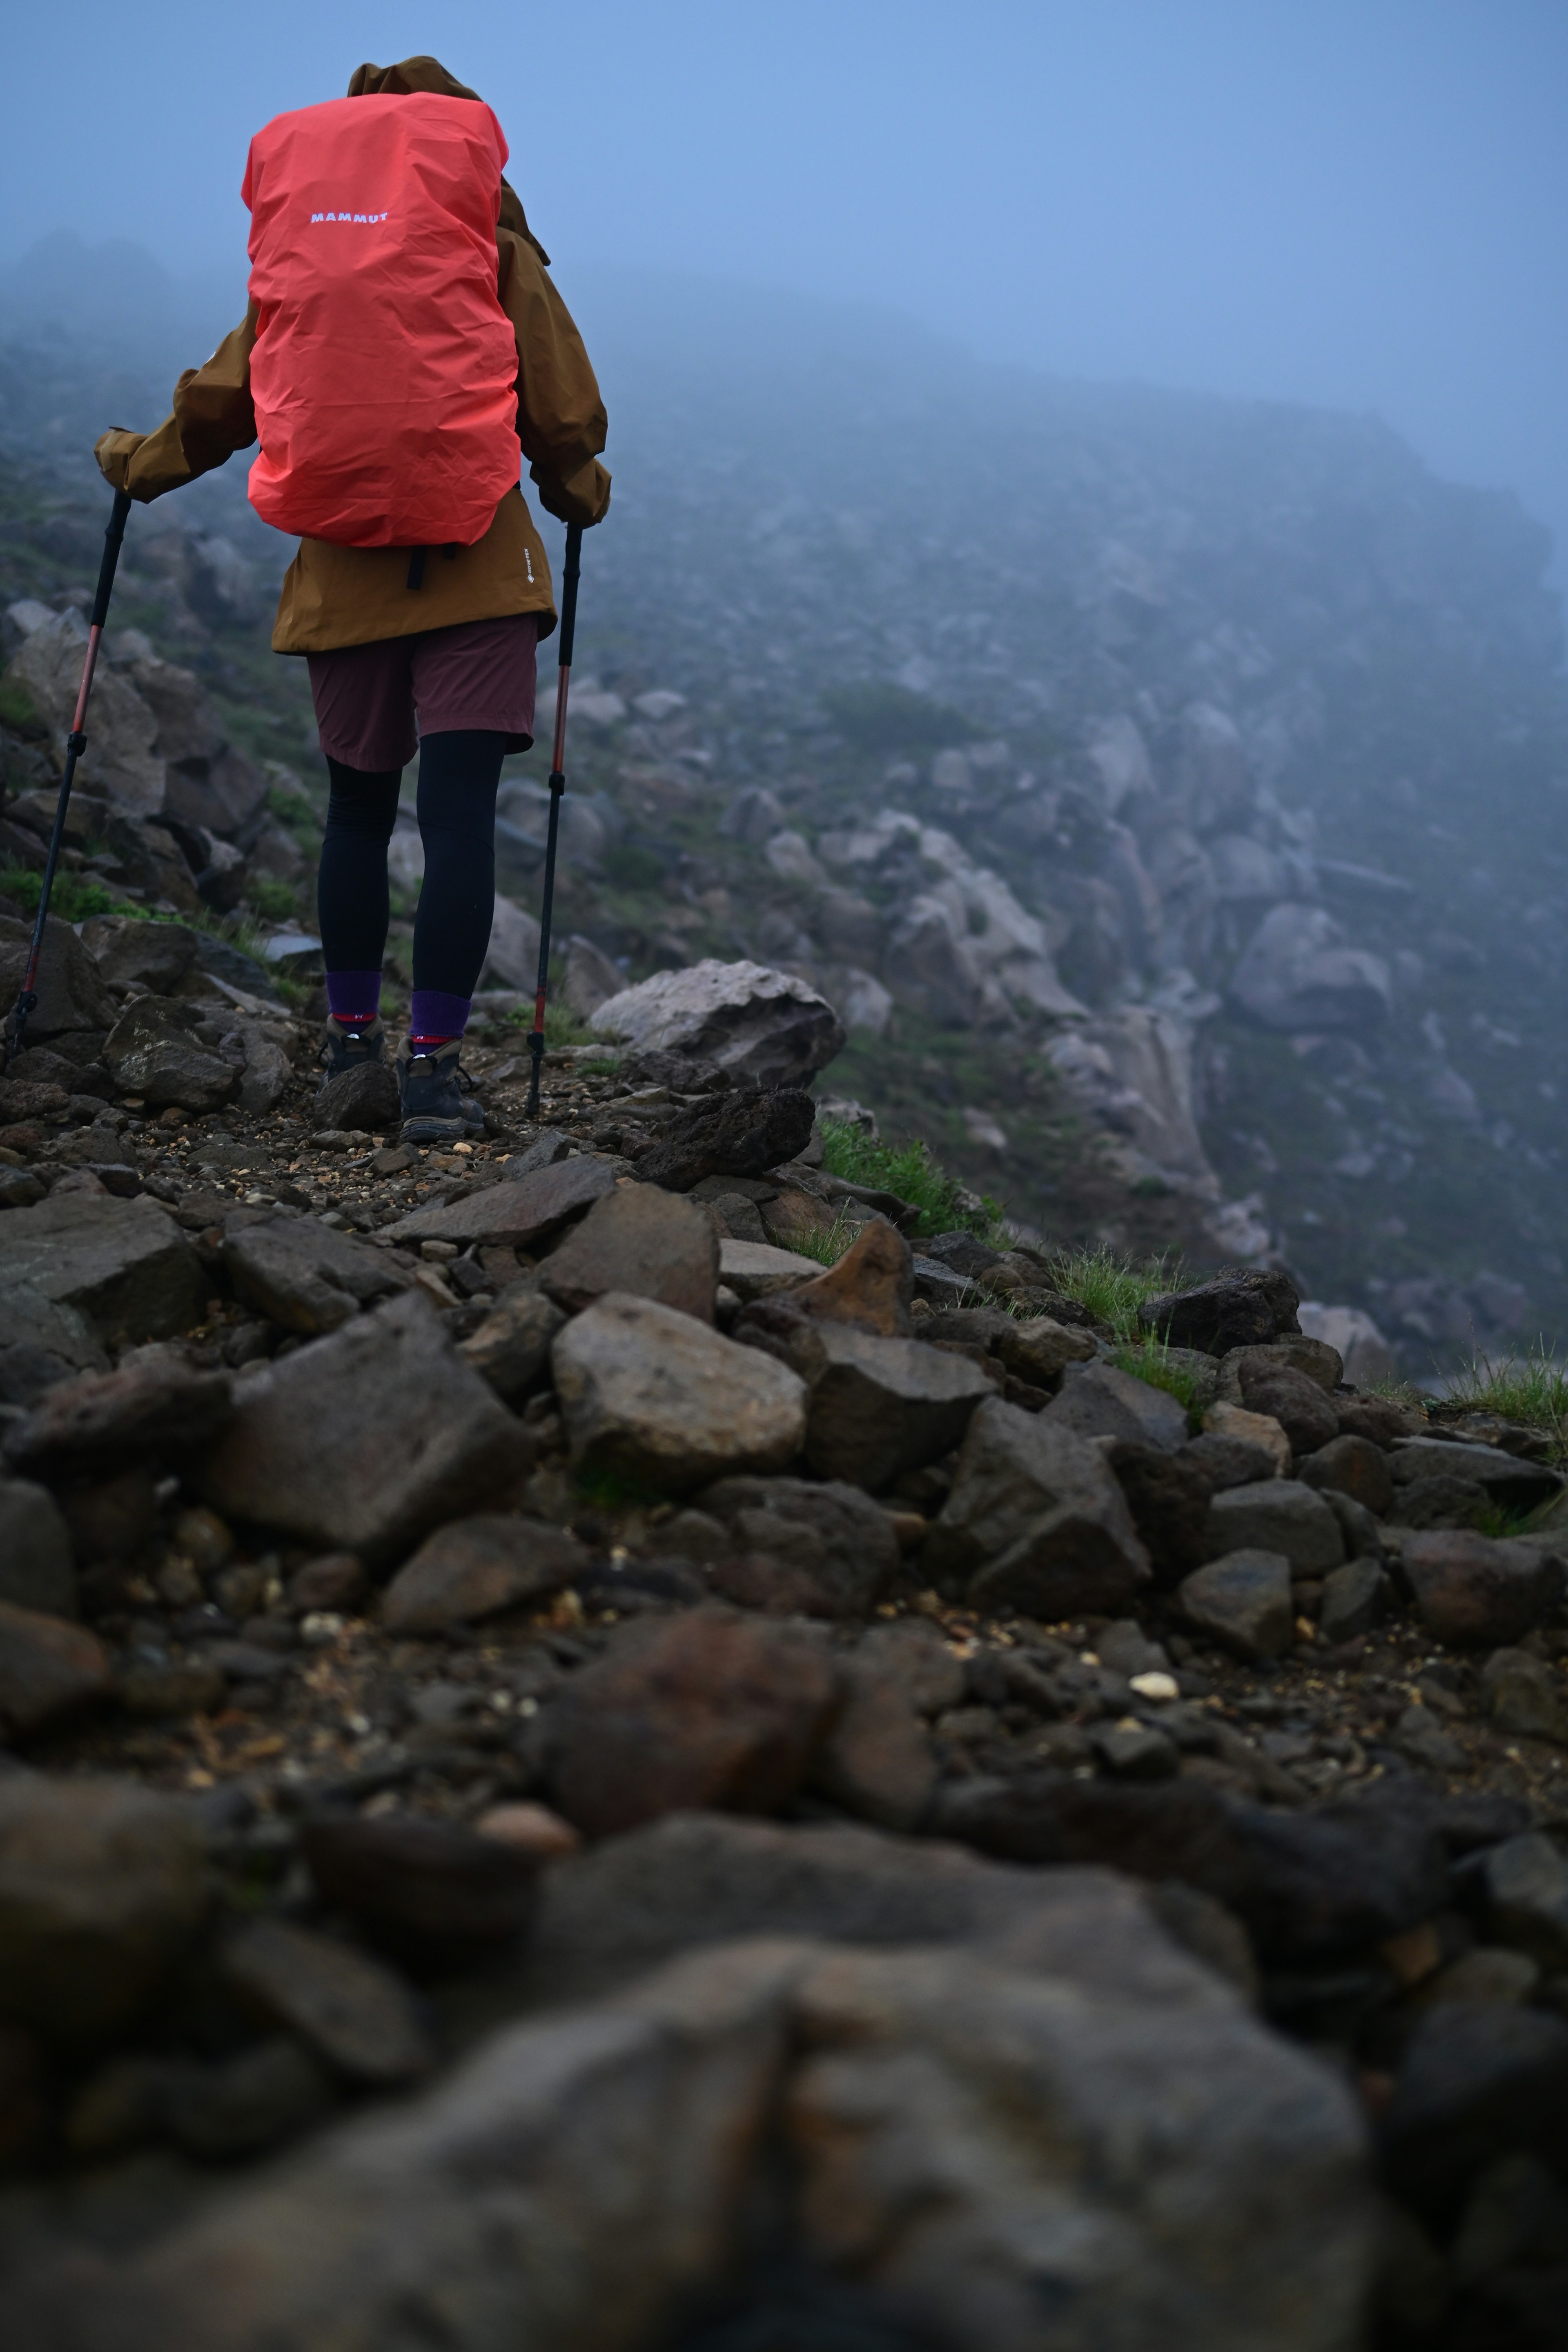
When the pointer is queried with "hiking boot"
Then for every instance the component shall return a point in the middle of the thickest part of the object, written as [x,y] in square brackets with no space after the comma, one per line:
[348,1048]
[435,1107]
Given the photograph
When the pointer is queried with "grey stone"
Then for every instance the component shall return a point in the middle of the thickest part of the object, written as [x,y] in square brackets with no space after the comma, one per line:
[878,1761]
[1418,1735]
[1474,1592]
[832,1530]
[1506,1478]
[1243,1601]
[1355,1599]
[1297,973]
[70,992]
[102,1889]
[510,1349]
[18,1189]
[1136,1752]
[1292,1351]
[49,1672]
[120,759]
[153,1053]
[1277,1515]
[880,1406]
[591,978]
[522,1213]
[641,1241]
[1475,2083]
[76,1273]
[363,1441]
[1035,1521]
[1524,1886]
[1293,1398]
[364,1096]
[654,1395]
[266,1072]
[1036,1349]
[1101,1401]
[155,956]
[105,1421]
[754,1270]
[549,1146]
[1239,1308]
[1522,1694]
[301,1275]
[912,1653]
[36,1569]
[479,1567]
[749,1020]
[352,2009]
[1361,1534]
[708,1709]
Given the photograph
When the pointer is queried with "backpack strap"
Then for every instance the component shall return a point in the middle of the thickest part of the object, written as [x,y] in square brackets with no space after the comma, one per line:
[417,567]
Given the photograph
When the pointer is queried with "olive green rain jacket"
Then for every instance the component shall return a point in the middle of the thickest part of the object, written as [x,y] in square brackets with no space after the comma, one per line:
[353,596]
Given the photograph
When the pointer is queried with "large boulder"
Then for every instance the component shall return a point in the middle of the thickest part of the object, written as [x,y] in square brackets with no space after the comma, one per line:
[968,2144]
[122,758]
[742,1132]
[1035,1521]
[654,1395]
[880,1406]
[522,1213]
[70,992]
[1238,1308]
[1297,973]
[1132,1071]
[82,1270]
[363,1441]
[152,1051]
[747,1018]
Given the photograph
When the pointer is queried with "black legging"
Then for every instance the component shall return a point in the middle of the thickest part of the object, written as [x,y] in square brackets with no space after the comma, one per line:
[458,773]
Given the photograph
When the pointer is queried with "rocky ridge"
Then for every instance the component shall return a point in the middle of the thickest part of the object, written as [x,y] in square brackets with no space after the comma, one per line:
[611,1630]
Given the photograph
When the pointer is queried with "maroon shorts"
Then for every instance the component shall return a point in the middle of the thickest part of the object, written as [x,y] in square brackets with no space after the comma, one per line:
[478,674]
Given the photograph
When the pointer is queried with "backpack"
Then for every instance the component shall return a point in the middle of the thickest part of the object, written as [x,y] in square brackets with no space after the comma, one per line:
[384,370]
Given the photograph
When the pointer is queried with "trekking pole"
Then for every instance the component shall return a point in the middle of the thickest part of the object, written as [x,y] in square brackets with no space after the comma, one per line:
[557,786]
[76,744]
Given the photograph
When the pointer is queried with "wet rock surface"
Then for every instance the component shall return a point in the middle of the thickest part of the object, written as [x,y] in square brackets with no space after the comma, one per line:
[438,1602]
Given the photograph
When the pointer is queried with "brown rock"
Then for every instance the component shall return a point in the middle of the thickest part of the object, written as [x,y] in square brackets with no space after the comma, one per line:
[1353,1467]
[336,1581]
[103,1886]
[529,1828]
[870,1287]
[878,1761]
[49,1671]
[520,1212]
[706,1709]
[185,1687]
[428,1891]
[105,1421]
[1288,1396]
[21,1099]
[478,1568]
[779,1587]
[365,1440]
[879,1407]
[642,1240]
[1476,1593]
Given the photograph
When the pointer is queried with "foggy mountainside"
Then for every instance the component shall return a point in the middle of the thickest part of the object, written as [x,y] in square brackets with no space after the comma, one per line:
[1167,792]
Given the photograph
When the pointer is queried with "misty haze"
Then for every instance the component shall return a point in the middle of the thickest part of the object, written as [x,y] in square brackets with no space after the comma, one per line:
[1028,1310]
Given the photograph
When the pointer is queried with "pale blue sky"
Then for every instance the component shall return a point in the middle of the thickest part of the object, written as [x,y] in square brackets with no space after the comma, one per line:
[1364,204]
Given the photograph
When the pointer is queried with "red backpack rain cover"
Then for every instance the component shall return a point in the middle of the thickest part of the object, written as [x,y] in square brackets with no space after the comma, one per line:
[384,370]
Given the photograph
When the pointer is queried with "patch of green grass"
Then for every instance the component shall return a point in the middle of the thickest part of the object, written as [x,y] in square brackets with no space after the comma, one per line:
[17,708]
[607,1491]
[1495,1519]
[907,1170]
[826,1243]
[272,897]
[1532,1389]
[1148,1360]
[881,717]
[72,899]
[1113,1287]
[562,1026]
[629,865]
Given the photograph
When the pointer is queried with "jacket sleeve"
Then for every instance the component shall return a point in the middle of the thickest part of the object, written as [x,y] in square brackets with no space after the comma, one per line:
[213,417]
[561,419]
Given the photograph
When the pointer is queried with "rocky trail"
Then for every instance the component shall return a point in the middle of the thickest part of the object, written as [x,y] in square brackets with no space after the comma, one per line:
[584,1714]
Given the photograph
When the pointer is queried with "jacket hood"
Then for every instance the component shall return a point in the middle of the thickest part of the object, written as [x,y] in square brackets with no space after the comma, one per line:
[430,74]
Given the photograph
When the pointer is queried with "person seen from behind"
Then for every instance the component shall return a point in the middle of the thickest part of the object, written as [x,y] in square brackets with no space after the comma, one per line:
[403,347]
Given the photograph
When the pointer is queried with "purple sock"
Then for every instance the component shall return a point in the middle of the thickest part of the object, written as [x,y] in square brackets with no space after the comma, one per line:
[433,1017]
[353,995]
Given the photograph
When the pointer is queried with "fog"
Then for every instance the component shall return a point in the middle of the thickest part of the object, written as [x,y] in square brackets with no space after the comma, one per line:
[1361,206]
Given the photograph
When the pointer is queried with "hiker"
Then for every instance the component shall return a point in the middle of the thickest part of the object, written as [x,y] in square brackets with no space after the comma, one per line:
[427,639]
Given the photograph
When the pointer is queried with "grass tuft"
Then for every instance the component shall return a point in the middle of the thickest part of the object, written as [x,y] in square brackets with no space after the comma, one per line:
[826,1243]
[1532,1389]
[1113,1287]
[907,1170]
[72,899]
[1148,1360]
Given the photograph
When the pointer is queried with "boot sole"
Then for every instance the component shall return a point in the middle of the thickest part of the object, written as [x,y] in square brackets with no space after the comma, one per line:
[440,1130]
